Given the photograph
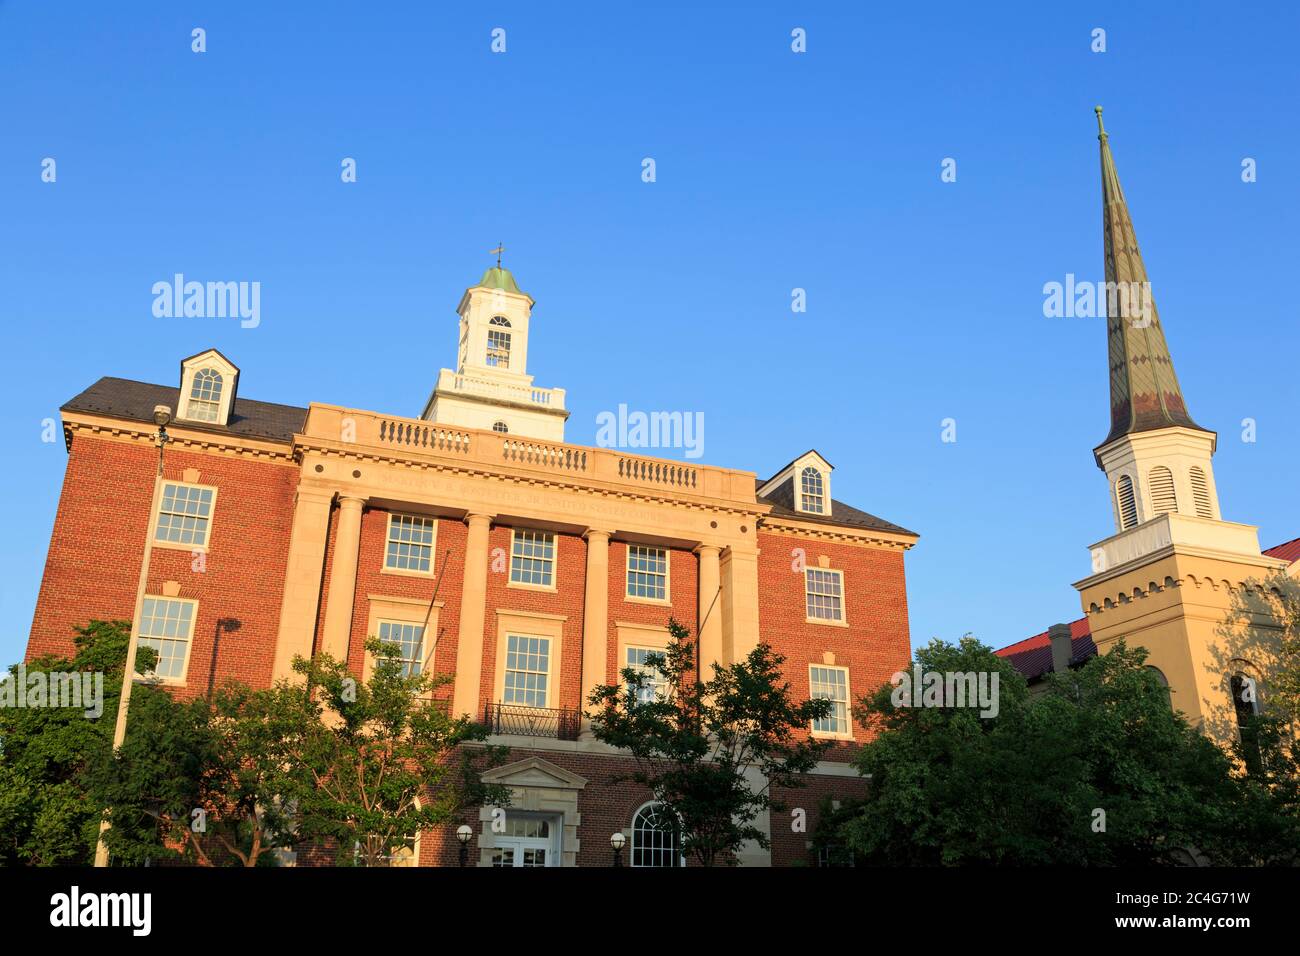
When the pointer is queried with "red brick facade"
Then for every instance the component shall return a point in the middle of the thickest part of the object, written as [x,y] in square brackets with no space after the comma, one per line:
[93,566]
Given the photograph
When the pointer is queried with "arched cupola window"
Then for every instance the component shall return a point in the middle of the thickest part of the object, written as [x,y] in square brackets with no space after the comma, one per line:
[1126,503]
[501,427]
[498,343]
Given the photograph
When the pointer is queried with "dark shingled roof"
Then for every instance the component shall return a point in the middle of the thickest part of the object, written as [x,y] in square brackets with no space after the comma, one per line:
[841,514]
[135,401]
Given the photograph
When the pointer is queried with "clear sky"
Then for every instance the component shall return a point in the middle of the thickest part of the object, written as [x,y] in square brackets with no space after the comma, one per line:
[774,171]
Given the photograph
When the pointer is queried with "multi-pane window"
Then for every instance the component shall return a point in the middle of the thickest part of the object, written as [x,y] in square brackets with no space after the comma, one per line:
[167,626]
[655,687]
[501,427]
[532,558]
[830,683]
[410,543]
[498,348]
[527,841]
[656,837]
[647,572]
[825,594]
[205,395]
[813,491]
[410,638]
[528,670]
[184,514]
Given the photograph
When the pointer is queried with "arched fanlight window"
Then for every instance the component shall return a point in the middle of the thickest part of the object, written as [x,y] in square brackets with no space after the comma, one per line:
[656,837]
[501,427]
[812,491]
[500,320]
[1200,492]
[205,395]
[1163,498]
[1126,503]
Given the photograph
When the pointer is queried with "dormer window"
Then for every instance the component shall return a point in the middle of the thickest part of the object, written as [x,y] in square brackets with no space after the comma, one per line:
[812,491]
[207,391]
[205,395]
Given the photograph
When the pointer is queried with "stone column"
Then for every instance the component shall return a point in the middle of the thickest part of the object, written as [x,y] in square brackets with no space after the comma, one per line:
[343,579]
[300,601]
[739,603]
[473,601]
[595,619]
[710,612]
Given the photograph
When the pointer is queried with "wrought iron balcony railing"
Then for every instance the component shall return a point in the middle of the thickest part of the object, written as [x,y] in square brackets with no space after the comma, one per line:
[559,723]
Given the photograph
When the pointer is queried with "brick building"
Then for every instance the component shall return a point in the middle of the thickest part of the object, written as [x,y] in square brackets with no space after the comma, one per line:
[474,536]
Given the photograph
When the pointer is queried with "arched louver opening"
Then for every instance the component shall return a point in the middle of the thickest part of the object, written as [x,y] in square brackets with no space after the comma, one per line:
[1127,502]
[1201,493]
[1163,498]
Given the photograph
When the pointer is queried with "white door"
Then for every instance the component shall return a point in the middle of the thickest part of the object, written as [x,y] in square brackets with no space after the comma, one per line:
[528,841]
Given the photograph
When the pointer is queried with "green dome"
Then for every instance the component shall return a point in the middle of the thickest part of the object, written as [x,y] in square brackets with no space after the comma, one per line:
[498,278]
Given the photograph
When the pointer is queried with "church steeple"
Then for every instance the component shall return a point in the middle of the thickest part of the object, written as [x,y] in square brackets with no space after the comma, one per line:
[1144,392]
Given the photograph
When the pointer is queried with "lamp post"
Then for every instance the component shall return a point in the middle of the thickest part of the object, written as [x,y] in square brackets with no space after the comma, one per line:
[618,841]
[162,416]
[464,834]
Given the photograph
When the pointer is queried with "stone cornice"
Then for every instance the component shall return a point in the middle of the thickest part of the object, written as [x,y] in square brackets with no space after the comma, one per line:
[115,429]
[845,534]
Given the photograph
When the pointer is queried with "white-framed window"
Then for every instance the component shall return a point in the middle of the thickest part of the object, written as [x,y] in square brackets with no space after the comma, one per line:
[410,638]
[824,592]
[636,657]
[532,558]
[501,427]
[527,671]
[410,543]
[185,514]
[830,683]
[656,837]
[647,573]
[498,348]
[531,841]
[812,491]
[167,626]
[205,395]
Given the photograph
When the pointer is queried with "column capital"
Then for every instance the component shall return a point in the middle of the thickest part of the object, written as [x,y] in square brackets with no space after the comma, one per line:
[599,532]
[705,548]
[352,501]
[477,518]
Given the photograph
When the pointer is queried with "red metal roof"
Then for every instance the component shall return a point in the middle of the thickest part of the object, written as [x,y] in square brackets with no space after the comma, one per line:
[1290,551]
[1033,656]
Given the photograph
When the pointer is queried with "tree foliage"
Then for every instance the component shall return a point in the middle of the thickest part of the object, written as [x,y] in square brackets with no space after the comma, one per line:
[698,746]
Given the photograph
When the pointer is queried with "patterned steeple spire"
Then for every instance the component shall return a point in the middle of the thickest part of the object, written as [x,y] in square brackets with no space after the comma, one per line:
[1144,392]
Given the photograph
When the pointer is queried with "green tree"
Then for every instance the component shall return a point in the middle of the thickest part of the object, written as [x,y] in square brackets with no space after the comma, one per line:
[1095,770]
[696,745]
[48,815]
[383,760]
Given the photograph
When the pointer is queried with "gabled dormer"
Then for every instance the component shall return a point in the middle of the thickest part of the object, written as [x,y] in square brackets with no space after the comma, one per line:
[208,384]
[803,485]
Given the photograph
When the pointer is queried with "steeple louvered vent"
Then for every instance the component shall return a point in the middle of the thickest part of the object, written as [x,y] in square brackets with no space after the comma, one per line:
[1128,514]
[1163,498]
[1201,493]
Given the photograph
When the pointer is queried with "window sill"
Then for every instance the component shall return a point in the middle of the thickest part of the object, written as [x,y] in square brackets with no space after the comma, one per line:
[180,546]
[827,622]
[657,602]
[521,586]
[827,735]
[407,572]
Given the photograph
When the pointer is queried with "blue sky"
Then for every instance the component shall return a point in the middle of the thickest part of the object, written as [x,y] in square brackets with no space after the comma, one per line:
[775,170]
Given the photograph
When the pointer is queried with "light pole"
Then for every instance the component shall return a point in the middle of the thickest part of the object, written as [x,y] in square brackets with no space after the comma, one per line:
[464,834]
[162,416]
[617,840]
